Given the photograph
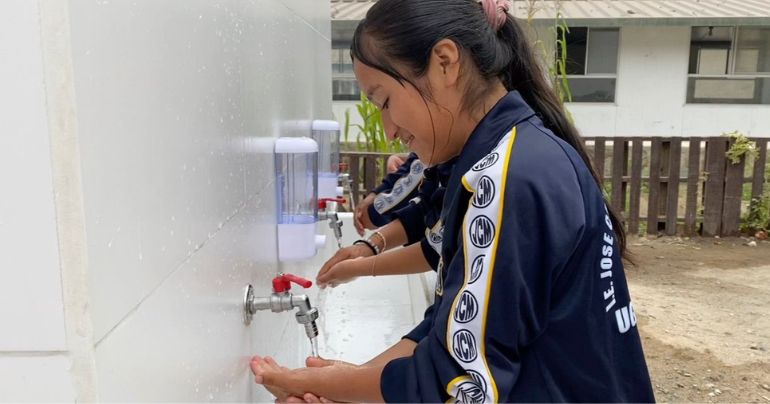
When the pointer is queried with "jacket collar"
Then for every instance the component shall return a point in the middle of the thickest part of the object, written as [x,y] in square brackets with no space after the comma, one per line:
[508,112]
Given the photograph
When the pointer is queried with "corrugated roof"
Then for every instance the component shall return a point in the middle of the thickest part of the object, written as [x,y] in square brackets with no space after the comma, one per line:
[621,11]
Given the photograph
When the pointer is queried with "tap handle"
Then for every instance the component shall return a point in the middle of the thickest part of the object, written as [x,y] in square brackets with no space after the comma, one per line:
[282,282]
[322,202]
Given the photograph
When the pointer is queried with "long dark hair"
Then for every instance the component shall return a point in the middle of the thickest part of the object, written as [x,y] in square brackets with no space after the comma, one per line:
[405,31]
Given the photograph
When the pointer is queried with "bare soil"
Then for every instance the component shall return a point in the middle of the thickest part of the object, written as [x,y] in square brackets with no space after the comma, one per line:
[704,315]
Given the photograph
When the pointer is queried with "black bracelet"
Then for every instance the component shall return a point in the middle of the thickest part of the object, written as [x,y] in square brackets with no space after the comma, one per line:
[368,244]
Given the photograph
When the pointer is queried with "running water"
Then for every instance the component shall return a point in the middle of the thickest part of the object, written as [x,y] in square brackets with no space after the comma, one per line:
[314,347]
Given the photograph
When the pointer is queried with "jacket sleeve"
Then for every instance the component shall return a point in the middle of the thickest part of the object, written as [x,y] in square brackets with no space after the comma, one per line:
[390,179]
[518,231]
[430,253]
[423,328]
[412,217]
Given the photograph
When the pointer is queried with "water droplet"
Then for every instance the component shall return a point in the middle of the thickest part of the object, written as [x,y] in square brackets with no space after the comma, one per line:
[109,244]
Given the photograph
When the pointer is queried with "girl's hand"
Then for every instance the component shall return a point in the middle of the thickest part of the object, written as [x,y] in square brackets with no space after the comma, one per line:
[395,161]
[307,398]
[341,272]
[361,219]
[285,384]
[343,254]
[267,364]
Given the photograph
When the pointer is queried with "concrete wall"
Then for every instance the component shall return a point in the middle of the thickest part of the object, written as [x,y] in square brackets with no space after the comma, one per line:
[139,209]
[651,92]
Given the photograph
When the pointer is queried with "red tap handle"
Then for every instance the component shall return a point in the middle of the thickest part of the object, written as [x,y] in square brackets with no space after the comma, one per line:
[322,202]
[282,282]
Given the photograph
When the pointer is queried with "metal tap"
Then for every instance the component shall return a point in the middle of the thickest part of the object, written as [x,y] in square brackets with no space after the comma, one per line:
[282,300]
[345,179]
[327,210]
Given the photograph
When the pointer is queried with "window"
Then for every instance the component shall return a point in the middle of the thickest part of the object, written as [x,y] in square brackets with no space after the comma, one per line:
[341,62]
[729,65]
[344,85]
[592,63]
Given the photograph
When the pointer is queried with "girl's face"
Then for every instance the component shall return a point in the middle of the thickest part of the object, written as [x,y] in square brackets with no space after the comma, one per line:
[422,125]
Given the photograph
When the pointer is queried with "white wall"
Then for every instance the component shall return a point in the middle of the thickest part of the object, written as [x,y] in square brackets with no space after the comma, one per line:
[139,210]
[651,93]
[32,342]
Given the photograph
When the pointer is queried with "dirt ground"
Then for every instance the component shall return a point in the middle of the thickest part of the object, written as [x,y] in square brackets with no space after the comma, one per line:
[704,316]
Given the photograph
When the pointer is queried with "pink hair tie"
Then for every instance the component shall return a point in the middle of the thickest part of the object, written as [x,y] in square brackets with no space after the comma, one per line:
[496,12]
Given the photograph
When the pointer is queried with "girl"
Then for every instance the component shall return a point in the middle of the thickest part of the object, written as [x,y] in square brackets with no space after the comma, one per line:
[531,301]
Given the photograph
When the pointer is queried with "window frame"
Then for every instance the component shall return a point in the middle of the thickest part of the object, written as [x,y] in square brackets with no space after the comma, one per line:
[590,76]
[338,74]
[730,74]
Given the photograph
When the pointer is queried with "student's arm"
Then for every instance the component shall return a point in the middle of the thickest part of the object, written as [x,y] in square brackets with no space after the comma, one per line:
[407,260]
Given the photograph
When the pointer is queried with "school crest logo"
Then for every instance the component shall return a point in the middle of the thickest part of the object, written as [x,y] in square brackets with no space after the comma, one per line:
[464,346]
[482,231]
[467,308]
[470,392]
[477,267]
[486,162]
[485,193]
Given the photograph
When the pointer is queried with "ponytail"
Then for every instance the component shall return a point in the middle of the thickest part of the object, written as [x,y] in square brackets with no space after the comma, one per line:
[525,74]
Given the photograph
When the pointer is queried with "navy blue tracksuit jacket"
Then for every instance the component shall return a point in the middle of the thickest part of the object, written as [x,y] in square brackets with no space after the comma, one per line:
[414,195]
[531,301]
[396,190]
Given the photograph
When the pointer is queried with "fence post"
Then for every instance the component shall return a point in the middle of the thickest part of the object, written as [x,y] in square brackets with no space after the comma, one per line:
[370,171]
[758,182]
[619,161]
[654,184]
[731,209]
[713,191]
[672,202]
[636,186]
[599,158]
[693,179]
[355,176]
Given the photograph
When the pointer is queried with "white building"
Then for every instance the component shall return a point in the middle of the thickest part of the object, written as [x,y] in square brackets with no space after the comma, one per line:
[637,68]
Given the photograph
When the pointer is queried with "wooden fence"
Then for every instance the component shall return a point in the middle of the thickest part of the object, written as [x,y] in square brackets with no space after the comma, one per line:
[669,186]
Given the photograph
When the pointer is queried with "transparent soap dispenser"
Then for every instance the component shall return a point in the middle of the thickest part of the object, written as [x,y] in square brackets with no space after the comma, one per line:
[296,172]
[327,135]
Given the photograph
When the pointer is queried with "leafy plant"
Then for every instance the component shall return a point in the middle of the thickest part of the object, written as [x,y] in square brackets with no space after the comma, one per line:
[371,134]
[758,216]
[558,70]
[741,147]
[346,127]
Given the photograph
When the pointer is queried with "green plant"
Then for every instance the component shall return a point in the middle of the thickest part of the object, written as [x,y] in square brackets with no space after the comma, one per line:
[741,147]
[371,134]
[758,216]
[346,128]
[558,70]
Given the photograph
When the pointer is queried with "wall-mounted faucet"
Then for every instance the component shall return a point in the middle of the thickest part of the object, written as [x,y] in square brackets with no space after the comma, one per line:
[283,300]
[327,210]
[345,179]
